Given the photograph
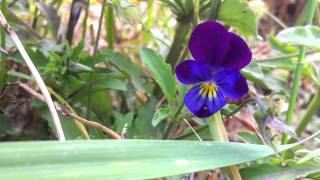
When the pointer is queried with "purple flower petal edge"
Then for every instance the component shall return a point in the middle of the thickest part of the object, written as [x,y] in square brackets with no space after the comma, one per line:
[212,44]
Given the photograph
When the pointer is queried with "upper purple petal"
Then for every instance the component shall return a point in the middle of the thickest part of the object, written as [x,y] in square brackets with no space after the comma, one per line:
[209,43]
[239,54]
[231,83]
[212,44]
[203,106]
[191,72]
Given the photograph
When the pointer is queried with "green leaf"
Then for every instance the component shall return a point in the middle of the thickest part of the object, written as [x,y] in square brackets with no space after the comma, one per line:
[253,72]
[121,159]
[20,75]
[101,105]
[312,175]
[78,67]
[282,47]
[308,36]
[77,50]
[142,123]
[159,115]
[127,66]
[268,171]
[310,155]
[100,82]
[123,120]
[238,14]
[161,72]
[110,83]
[69,127]
[249,137]
[290,65]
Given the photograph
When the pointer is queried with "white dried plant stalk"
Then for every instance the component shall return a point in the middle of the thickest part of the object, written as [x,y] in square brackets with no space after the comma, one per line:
[4,24]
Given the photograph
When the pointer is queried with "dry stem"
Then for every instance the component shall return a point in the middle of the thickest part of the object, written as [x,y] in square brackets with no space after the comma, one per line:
[4,24]
[68,114]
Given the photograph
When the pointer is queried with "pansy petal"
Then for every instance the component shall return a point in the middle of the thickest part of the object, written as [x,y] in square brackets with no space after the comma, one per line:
[201,105]
[191,72]
[209,43]
[231,83]
[238,55]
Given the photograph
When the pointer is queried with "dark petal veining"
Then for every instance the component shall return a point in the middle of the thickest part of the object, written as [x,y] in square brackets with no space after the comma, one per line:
[209,43]
[203,106]
[231,83]
[191,72]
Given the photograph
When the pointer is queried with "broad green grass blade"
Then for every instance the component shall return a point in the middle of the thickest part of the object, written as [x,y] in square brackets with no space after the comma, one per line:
[121,159]
[269,171]
[310,155]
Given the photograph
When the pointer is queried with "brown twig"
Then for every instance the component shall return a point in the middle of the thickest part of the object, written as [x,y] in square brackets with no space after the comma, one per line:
[9,30]
[68,114]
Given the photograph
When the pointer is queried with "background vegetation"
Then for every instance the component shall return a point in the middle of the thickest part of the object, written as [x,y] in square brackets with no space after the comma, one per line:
[109,67]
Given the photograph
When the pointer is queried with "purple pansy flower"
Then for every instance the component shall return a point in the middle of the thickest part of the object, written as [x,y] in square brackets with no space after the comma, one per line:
[215,73]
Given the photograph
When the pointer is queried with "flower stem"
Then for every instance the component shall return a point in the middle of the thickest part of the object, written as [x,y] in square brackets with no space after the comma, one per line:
[219,133]
[298,72]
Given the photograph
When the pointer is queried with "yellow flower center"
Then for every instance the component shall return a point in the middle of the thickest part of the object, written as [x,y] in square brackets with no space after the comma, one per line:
[208,90]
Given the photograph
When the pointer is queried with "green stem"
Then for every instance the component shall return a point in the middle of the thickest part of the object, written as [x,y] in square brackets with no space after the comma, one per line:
[174,122]
[227,116]
[312,108]
[280,58]
[151,4]
[110,26]
[85,21]
[216,128]
[219,133]
[303,14]
[298,72]
[214,9]
[181,33]
[35,19]
[3,69]
[196,18]
[95,51]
